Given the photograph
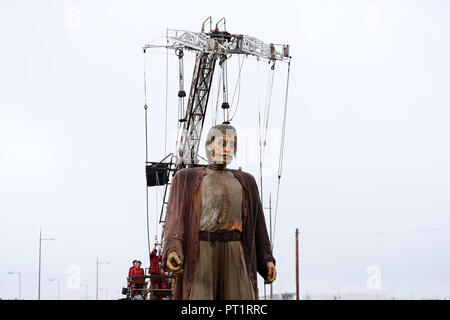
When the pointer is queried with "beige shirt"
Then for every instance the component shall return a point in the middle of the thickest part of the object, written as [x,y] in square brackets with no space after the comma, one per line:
[219,201]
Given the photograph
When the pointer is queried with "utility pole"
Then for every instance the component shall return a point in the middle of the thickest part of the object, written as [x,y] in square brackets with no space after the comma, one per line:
[297,292]
[40,250]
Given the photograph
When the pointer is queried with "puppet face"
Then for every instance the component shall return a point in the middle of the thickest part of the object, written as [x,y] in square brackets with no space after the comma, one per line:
[221,149]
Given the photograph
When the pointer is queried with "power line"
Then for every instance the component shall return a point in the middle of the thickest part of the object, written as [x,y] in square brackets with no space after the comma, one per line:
[351,234]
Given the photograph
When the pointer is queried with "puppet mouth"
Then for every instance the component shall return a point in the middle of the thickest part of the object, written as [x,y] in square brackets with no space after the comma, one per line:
[226,155]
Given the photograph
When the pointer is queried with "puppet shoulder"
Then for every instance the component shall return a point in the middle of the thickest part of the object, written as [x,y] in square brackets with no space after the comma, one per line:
[187,173]
[248,177]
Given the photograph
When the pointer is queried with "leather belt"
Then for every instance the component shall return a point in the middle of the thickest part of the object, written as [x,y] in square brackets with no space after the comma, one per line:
[220,235]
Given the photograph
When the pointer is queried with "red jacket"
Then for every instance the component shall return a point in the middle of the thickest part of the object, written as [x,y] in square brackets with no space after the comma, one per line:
[155,259]
[137,272]
[130,272]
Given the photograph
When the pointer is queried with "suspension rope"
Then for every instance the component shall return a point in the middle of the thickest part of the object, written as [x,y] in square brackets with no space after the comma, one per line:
[212,95]
[225,105]
[181,114]
[156,210]
[268,102]
[241,64]
[146,150]
[226,82]
[262,145]
[167,94]
[217,99]
[259,124]
[259,131]
[280,163]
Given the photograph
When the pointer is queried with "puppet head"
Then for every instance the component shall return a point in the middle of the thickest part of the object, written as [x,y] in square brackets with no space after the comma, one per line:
[221,144]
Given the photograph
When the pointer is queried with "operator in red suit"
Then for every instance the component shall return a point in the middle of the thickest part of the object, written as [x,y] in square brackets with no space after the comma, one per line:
[156,270]
[137,274]
[131,268]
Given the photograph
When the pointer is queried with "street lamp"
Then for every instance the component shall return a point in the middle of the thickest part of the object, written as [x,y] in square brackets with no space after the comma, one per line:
[40,250]
[96,289]
[17,272]
[59,292]
[85,285]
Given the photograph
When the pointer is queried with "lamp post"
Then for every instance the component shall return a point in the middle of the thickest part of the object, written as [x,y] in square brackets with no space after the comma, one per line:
[40,250]
[17,272]
[85,285]
[59,292]
[96,291]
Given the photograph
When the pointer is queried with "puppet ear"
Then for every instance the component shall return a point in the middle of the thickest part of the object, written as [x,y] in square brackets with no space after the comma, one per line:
[208,142]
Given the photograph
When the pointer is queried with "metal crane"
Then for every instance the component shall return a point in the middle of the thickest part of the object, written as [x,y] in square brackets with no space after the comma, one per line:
[212,46]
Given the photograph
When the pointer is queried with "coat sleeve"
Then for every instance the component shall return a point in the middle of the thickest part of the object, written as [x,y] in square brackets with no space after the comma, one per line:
[263,248]
[174,227]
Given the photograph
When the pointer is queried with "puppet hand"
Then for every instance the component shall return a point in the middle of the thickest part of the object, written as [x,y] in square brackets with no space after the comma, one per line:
[174,263]
[271,273]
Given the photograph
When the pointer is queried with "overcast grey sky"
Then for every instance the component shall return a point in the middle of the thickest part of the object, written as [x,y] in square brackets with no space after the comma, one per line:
[366,149]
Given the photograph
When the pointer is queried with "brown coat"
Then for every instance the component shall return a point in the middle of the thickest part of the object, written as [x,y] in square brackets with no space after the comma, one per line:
[182,227]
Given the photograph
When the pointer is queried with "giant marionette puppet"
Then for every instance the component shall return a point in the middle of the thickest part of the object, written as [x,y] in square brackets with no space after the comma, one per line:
[215,234]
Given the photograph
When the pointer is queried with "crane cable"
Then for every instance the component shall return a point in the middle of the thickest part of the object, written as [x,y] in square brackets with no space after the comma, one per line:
[146,145]
[280,160]
[167,94]
[146,150]
[217,98]
[165,141]
[268,103]
[238,83]
[259,123]
[259,131]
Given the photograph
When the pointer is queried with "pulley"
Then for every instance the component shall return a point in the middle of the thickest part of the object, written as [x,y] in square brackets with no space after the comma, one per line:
[181,92]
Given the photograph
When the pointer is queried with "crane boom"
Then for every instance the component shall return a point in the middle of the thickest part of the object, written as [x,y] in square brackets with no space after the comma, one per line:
[225,43]
[196,108]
